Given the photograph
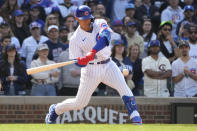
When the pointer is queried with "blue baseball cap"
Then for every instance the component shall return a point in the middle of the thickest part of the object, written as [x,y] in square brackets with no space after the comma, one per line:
[34,25]
[154,43]
[130,6]
[55,9]
[118,42]
[117,22]
[188,7]
[10,47]
[18,12]
[34,6]
[131,23]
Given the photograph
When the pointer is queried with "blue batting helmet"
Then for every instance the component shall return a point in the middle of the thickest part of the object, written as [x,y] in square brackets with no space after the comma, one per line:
[84,12]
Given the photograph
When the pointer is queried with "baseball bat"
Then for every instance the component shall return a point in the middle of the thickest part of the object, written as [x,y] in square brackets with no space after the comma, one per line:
[49,67]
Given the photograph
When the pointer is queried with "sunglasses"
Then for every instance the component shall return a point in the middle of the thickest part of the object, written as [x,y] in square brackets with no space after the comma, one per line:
[166,29]
[193,32]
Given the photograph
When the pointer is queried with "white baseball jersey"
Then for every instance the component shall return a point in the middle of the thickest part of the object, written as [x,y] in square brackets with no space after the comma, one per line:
[187,87]
[80,44]
[155,87]
[29,47]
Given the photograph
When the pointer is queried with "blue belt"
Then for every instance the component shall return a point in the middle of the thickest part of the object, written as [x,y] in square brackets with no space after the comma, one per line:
[101,62]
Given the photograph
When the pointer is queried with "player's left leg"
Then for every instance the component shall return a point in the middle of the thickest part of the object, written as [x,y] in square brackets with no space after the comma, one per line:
[114,78]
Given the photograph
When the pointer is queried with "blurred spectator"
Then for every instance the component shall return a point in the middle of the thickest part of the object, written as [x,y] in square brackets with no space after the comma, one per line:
[8,9]
[69,22]
[5,30]
[168,46]
[6,40]
[56,11]
[188,17]
[136,62]
[29,4]
[30,44]
[173,13]
[184,32]
[119,8]
[35,15]
[147,33]
[118,34]
[119,56]
[133,37]
[125,20]
[55,46]
[43,82]
[146,10]
[13,72]
[63,35]
[100,9]
[193,41]
[156,71]
[69,77]
[19,28]
[51,19]
[138,3]
[130,11]
[184,73]
[26,16]
[67,8]
[92,4]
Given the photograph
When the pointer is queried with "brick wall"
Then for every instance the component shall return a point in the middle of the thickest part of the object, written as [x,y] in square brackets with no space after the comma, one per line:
[151,110]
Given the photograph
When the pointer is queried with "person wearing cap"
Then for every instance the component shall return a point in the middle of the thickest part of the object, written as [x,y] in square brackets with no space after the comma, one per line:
[156,70]
[51,19]
[133,37]
[193,41]
[19,28]
[30,44]
[55,46]
[173,13]
[43,82]
[188,18]
[130,11]
[168,47]
[119,56]
[184,73]
[13,72]
[35,15]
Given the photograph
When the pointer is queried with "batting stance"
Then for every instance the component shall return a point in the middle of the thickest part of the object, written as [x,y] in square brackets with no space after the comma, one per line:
[90,46]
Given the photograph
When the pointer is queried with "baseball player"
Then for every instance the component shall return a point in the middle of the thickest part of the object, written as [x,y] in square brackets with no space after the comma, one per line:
[90,46]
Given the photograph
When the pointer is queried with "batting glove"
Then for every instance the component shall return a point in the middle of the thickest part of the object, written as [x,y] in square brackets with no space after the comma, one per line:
[89,57]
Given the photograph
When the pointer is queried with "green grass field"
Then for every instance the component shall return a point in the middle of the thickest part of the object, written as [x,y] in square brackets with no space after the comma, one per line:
[98,127]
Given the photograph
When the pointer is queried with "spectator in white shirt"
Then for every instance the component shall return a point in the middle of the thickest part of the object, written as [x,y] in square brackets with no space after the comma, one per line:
[30,44]
[156,71]
[184,73]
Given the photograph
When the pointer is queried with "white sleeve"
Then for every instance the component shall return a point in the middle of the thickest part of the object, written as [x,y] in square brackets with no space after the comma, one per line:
[74,50]
[23,50]
[145,65]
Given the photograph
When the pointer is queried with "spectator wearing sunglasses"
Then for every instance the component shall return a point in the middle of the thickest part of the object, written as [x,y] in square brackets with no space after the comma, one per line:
[168,46]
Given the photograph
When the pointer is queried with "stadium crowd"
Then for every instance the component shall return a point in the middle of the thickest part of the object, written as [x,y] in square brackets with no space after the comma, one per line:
[155,40]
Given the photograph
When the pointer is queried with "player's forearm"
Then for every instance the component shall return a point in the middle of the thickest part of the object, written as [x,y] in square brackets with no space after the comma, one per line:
[178,78]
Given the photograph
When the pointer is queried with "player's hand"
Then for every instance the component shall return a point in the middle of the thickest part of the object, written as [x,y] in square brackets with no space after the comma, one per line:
[89,57]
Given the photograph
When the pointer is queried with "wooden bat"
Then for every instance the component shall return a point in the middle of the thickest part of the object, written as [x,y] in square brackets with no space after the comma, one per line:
[49,67]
